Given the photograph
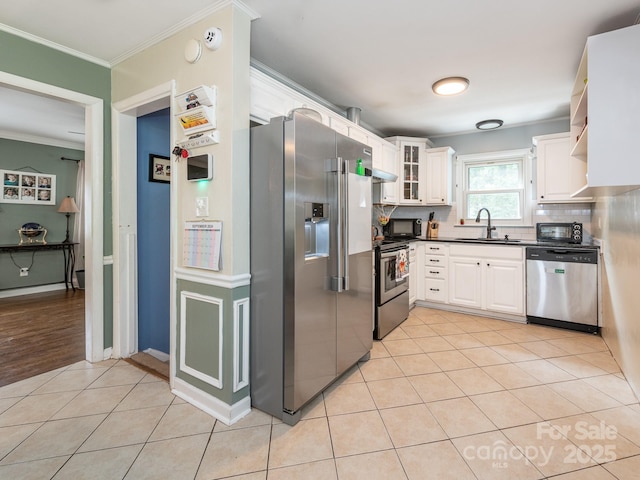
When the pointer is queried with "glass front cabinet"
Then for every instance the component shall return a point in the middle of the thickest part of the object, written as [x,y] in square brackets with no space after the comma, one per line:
[411,169]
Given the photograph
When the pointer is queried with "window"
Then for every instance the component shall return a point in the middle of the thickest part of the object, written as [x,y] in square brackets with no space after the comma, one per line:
[497,181]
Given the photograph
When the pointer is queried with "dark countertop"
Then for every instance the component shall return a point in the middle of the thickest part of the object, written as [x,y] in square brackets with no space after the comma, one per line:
[515,243]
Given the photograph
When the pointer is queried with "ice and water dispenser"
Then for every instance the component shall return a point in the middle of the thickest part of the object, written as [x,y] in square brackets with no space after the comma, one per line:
[316,230]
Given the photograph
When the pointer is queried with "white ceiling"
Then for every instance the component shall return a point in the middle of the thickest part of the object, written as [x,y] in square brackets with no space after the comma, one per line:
[381,56]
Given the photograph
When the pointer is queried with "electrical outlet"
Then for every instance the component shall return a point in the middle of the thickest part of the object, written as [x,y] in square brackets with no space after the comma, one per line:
[24,272]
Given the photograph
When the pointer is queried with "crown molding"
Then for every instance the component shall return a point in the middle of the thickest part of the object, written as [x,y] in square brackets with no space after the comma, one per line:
[214,7]
[54,45]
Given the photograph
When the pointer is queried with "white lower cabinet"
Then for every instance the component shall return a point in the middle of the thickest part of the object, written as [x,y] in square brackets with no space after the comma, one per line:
[436,268]
[413,278]
[505,286]
[487,278]
[465,282]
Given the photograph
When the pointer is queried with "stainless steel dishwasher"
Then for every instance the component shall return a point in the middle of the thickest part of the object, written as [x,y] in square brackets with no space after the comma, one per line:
[562,287]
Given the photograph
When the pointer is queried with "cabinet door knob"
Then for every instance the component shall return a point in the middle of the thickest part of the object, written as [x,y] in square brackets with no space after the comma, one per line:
[478,263]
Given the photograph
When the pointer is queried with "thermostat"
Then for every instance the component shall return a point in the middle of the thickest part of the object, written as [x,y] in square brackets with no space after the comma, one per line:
[200,167]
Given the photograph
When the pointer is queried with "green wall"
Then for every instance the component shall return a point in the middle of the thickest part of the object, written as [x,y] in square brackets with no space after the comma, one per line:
[37,62]
[31,157]
[202,339]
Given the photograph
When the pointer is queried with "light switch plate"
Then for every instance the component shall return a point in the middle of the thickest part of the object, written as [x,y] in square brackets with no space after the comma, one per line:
[202,207]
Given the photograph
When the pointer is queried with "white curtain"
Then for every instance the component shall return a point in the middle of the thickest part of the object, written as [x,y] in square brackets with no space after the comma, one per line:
[78,219]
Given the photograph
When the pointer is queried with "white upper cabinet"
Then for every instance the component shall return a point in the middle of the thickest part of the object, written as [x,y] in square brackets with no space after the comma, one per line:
[605,113]
[385,158]
[411,169]
[559,175]
[389,163]
[358,134]
[340,125]
[271,98]
[439,162]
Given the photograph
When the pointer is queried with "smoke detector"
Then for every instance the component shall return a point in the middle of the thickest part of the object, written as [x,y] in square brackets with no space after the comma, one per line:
[213,38]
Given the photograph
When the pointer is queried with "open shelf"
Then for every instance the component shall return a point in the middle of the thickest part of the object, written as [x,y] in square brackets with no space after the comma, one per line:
[579,150]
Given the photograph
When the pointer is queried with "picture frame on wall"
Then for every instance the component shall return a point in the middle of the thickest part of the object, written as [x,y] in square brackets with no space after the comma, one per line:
[159,168]
[27,187]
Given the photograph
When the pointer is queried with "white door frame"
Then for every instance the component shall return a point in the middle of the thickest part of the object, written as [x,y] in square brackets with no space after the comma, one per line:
[93,202]
[125,269]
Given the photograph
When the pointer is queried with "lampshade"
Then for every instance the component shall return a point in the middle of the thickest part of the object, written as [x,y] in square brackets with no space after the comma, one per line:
[68,205]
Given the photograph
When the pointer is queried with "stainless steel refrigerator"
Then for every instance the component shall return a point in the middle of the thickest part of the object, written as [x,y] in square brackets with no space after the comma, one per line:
[311,261]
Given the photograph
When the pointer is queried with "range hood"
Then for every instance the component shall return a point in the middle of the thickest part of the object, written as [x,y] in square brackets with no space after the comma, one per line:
[380,176]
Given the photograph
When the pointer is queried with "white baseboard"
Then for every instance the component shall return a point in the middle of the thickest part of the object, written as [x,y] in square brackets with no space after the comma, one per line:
[163,357]
[16,292]
[108,352]
[471,311]
[227,414]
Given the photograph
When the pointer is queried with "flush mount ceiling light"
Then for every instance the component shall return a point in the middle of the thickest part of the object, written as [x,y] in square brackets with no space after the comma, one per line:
[450,86]
[489,124]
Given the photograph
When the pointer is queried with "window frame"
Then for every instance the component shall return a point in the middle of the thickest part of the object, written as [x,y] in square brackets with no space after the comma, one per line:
[490,158]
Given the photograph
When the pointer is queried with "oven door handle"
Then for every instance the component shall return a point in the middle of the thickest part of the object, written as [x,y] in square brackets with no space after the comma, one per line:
[391,253]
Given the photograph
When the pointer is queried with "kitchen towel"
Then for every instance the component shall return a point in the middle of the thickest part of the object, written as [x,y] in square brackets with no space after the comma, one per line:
[402,265]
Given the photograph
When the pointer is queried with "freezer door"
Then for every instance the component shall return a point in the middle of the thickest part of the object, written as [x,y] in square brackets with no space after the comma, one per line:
[310,304]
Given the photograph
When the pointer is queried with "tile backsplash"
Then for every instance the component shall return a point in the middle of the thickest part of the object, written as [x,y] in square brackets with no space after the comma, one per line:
[450,220]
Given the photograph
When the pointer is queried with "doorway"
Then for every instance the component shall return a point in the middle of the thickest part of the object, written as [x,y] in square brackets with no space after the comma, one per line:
[126,329]
[153,238]
[93,201]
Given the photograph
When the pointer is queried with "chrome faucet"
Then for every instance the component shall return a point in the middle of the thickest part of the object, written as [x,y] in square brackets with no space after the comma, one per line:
[489,227]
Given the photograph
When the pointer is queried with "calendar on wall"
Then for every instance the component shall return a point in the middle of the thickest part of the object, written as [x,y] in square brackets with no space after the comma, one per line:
[202,244]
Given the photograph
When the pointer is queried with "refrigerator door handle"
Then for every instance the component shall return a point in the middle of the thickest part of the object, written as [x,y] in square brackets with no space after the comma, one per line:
[343,254]
[340,224]
[336,165]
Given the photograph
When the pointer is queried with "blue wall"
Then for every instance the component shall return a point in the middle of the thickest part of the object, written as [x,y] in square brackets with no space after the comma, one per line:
[153,236]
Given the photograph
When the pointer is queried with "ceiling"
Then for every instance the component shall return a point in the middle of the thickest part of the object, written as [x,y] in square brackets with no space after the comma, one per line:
[380,56]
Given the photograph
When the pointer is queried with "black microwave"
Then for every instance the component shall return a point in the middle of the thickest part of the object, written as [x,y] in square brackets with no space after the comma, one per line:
[403,228]
[559,232]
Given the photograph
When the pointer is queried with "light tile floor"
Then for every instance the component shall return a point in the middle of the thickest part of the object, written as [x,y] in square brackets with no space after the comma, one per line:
[445,395]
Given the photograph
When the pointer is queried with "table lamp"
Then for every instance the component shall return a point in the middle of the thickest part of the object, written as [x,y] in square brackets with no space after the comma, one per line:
[68,206]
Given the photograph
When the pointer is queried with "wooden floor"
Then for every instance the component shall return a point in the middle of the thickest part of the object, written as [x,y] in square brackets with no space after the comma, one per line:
[39,333]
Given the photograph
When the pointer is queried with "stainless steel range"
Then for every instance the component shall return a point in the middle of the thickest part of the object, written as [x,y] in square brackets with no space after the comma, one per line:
[392,286]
